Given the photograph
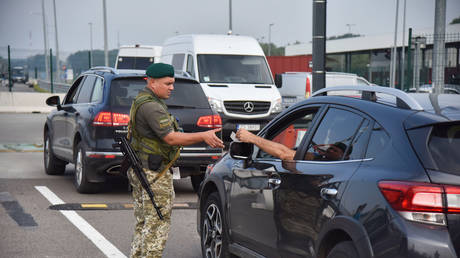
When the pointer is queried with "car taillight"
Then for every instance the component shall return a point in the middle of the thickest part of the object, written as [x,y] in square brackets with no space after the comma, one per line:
[213,121]
[307,88]
[422,202]
[110,119]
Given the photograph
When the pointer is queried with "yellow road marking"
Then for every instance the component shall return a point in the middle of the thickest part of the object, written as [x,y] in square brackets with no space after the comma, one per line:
[93,205]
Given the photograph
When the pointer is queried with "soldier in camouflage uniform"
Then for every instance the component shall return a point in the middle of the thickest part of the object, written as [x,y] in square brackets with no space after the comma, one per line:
[155,137]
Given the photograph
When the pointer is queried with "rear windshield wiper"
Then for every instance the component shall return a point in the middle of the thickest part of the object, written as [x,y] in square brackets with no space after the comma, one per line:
[179,106]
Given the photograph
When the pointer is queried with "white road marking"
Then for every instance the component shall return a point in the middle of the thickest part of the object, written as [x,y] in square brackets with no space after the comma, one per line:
[91,233]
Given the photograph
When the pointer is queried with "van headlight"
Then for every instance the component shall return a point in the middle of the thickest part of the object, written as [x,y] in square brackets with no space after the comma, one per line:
[277,108]
[216,105]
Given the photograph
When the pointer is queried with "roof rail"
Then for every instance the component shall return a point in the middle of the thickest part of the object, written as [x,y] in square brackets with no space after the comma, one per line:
[403,100]
[104,69]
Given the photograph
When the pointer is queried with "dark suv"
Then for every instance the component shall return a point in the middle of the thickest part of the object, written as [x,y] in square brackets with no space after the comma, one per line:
[81,129]
[376,176]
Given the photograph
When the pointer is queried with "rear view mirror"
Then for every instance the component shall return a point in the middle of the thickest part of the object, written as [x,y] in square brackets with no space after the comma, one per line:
[278,80]
[241,150]
[54,101]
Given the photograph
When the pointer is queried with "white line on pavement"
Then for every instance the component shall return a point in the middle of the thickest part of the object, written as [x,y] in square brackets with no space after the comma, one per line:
[91,233]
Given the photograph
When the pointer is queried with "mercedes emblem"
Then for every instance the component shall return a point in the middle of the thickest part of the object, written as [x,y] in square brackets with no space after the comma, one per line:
[248,107]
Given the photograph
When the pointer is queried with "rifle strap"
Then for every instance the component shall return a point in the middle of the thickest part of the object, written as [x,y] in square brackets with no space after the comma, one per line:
[167,166]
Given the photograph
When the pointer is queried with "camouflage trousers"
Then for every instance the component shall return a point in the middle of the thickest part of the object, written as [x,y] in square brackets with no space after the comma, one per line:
[151,233]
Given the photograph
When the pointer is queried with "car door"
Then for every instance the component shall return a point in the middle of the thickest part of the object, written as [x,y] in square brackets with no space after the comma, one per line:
[81,112]
[254,186]
[61,144]
[312,185]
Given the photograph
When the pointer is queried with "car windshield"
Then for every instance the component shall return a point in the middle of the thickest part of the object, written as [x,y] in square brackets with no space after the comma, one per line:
[233,69]
[18,71]
[443,146]
[134,63]
[185,94]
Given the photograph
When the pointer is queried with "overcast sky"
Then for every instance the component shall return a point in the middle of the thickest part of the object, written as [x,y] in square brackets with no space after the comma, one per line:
[152,21]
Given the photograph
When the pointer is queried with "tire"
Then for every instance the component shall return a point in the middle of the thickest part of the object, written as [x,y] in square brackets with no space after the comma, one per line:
[52,164]
[344,249]
[81,171]
[196,181]
[214,240]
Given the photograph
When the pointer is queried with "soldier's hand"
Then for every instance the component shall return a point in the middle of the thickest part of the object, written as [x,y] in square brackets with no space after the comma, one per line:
[212,140]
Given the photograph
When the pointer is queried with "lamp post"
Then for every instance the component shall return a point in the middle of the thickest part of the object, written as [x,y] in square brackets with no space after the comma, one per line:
[270,38]
[45,38]
[90,44]
[229,17]
[58,65]
[106,52]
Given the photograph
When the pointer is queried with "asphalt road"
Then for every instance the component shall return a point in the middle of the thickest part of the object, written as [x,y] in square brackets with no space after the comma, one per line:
[17,87]
[31,226]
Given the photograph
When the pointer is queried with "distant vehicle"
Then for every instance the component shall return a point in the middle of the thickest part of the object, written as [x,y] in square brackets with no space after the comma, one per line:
[81,128]
[297,86]
[137,57]
[18,74]
[428,88]
[234,75]
[370,178]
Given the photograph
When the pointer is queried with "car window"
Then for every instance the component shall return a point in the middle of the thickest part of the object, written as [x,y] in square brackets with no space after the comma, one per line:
[361,82]
[178,61]
[86,89]
[291,130]
[377,141]
[187,94]
[72,94]
[124,90]
[360,141]
[443,146]
[333,139]
[98,90]
[190,68]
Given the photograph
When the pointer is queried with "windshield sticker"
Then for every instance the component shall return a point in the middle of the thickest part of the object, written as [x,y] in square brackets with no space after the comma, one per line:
[206,78]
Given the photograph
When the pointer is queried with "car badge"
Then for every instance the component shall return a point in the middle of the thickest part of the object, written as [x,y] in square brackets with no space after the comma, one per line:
[248,107]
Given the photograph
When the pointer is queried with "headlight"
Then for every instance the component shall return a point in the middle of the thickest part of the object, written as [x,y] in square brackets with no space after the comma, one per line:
[216,105]
[277,107]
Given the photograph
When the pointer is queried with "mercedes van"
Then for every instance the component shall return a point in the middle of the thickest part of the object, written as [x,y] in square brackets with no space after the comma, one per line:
[297,86]
[137,57]
[234,75]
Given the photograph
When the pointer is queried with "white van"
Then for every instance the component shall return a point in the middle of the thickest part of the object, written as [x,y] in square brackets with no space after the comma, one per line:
[297,86]
[137,57]
[234,75]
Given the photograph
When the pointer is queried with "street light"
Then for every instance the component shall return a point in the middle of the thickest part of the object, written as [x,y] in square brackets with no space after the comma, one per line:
[270,38]
[90,44]
[229,17]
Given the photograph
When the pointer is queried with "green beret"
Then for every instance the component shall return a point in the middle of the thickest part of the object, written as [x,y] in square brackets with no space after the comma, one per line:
[160,70]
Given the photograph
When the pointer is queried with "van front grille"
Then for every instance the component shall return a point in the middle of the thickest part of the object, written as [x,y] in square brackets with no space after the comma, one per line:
[247,107]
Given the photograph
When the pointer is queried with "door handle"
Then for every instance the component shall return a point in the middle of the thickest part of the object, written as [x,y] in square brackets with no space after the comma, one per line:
[328,192]
[274,181]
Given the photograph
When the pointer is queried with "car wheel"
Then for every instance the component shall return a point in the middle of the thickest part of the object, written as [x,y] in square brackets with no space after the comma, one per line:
[53,165]
[196,181]
[344,249]
[81,171]
[214,241]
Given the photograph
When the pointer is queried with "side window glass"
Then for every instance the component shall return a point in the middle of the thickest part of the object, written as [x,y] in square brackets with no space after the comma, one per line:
[190,68]
[358,146]
[333,138]
[98,90]
[377,142]
[290,131]
[86,90]
[178,61]
[72,95]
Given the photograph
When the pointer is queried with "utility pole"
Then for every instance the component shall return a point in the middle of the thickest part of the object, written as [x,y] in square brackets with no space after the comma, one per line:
[270,39]
[106,53]
[394,50]
[229,17]
[439,46]
[58,65]
[90,44]
[319,45]
[349,27]
[403,65]
[45,38]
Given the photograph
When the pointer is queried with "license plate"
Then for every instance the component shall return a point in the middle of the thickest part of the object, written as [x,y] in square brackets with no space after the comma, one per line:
[289,99]
[249,127]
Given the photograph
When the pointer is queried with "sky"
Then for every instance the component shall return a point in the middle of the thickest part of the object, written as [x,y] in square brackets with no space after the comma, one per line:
[150,22]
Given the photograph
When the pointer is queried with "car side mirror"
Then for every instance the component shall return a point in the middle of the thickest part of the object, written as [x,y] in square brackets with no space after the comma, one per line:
[241,150]
[54,101]
[278,80]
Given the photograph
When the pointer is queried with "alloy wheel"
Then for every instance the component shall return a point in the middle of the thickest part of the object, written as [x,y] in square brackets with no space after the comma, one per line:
[212,232]
[79,167]
[46,152]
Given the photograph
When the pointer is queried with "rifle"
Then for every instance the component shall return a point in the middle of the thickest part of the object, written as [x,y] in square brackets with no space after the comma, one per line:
[136,164]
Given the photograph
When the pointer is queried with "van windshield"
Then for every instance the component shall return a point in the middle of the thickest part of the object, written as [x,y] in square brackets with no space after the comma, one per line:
[134,63]
[233,69]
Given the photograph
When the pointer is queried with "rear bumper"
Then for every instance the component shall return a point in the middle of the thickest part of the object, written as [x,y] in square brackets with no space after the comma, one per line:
[194,160]
[102,164]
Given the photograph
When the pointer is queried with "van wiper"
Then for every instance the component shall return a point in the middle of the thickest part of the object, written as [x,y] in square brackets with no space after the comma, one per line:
[179,106]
